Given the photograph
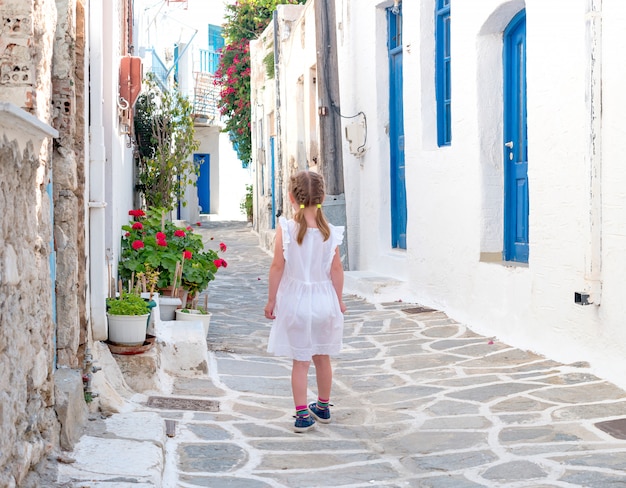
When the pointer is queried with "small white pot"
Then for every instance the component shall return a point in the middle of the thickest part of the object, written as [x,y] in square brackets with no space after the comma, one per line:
[168,306]
[128,330]
[195,316]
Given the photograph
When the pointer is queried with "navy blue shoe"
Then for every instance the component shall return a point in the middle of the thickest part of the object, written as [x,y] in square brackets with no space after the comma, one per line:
[304,424]
[321,414]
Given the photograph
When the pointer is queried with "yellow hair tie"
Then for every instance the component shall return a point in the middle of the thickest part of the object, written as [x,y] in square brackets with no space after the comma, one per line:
[302,205]
[319,205]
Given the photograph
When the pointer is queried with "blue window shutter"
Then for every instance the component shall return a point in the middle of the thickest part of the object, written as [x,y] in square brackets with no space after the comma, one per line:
[442,73]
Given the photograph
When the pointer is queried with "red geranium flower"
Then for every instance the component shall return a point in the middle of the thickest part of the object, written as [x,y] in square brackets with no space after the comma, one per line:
[222,247]
[127,234]
[137,213]
[186,254]
[198,224]
[137,226]
[137,245]
[218,262]
[224,263]
[179,233]
[161,242]
[160,236]
[189,228]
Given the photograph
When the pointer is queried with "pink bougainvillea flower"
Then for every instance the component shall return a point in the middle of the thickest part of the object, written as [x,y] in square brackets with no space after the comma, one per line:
[179,233]
[137,226]
[137,213]
[218,262]
[161,242]
[160,236]
[187,254]
[137,245]
[222,247]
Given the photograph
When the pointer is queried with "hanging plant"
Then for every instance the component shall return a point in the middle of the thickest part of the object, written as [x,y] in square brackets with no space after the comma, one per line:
[245,20]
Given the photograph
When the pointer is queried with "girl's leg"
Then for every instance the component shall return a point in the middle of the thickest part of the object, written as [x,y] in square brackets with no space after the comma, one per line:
[324,375]
[299,373]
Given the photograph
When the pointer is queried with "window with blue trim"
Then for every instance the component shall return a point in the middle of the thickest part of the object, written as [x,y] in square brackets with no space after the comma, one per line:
[442,72]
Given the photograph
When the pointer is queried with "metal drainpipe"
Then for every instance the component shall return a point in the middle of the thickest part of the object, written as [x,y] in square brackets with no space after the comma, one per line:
[96,176]
[593,267]
[279,151]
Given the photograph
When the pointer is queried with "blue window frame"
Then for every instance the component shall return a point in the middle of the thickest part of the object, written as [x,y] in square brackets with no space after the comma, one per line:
[442,72]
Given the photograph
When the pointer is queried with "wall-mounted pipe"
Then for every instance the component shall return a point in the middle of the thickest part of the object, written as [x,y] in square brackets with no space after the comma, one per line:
[593,265]
[96,176]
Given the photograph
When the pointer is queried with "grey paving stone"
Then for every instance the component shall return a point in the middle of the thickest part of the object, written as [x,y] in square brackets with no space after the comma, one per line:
[223,482]
[445,408]
[547,434]
[596,411]
[449,462]
[457,423]
[208,432]
[594,479]
[371,474]
[581,393]
[444,482]
[490,392]
[210,457]
[515,470]
[427,442]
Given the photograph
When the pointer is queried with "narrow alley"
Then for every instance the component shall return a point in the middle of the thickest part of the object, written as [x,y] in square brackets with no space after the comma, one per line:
[419,401]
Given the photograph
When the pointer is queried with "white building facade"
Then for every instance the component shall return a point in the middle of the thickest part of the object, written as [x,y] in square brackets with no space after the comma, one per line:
[481,160]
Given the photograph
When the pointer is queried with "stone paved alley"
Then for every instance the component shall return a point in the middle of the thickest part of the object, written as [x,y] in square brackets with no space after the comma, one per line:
[419,401]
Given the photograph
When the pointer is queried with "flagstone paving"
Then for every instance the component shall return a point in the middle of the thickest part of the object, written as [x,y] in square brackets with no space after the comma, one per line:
[419,401]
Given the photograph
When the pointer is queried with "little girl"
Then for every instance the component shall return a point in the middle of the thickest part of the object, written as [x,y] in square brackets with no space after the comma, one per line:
[305,296]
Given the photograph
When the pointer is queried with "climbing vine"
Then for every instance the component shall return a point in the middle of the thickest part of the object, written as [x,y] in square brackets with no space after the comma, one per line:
[245,20]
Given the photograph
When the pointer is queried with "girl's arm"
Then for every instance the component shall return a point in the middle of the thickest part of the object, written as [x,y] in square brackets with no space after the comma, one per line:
[276,273]
[336,276]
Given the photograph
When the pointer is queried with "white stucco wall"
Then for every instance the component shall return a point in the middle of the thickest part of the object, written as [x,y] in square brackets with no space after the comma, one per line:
[454,194]
[455,202]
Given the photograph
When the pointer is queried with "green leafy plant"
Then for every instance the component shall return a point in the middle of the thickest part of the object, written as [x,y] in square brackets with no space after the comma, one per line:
[164,132]
[127,304]
[151,243]
[246,204]
[245,20]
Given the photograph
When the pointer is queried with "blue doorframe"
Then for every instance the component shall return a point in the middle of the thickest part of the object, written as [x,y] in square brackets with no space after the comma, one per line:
[516,205]
[396,130]
[204,182]
[53,275]
[272,178]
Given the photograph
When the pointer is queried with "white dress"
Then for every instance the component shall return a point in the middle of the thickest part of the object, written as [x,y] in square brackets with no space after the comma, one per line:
[308,318]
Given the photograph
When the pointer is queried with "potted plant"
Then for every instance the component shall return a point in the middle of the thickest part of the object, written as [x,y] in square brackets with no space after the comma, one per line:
[198,271]
[196,313]
[128,318]
[176,254]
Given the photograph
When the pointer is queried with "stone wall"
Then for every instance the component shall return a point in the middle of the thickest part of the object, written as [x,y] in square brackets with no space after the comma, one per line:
[51,88]
[69,181]
[28,421]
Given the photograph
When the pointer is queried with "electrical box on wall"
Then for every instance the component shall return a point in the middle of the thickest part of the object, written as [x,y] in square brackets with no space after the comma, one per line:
[355,135]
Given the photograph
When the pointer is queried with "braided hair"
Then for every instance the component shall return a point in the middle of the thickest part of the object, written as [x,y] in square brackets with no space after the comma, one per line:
[307,189]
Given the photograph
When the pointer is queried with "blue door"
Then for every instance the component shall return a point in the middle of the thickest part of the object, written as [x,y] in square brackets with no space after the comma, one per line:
[272,178]
[515,142]
[396,130]
[204,181]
